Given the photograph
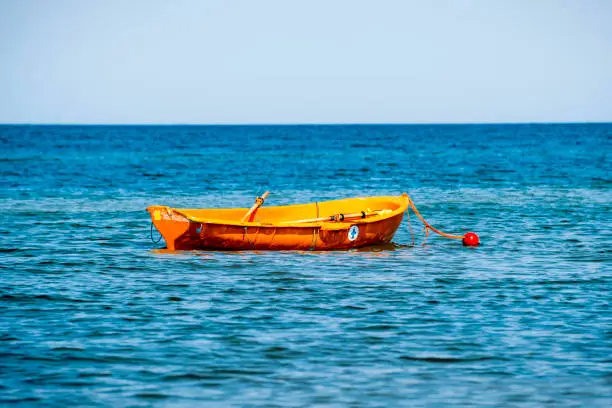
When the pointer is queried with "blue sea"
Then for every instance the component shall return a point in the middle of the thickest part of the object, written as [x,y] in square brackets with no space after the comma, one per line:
[93,313]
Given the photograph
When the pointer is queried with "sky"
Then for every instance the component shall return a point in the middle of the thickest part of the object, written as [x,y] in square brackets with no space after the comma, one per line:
[305,61]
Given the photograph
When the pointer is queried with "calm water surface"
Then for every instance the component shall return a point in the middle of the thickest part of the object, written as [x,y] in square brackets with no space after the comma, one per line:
[92,313]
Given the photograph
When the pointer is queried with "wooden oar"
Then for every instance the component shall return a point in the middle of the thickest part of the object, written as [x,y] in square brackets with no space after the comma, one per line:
[258,203]
[337,217]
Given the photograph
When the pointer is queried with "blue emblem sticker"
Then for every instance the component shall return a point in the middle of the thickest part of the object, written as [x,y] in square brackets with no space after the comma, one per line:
[353,233]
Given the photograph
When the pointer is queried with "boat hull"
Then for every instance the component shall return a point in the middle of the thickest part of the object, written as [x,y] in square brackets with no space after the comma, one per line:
[182,233]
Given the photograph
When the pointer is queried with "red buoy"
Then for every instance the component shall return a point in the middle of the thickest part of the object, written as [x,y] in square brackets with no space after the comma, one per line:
[471,239]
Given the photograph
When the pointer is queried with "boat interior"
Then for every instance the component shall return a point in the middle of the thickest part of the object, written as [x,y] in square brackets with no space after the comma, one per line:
[375,206]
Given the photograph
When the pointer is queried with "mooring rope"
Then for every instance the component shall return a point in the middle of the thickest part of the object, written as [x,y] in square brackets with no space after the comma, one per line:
[152,240]
[410,228]
[428,226]
[246,235]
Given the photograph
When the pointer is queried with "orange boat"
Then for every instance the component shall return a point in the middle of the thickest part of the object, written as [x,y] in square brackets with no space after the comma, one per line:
[327,225]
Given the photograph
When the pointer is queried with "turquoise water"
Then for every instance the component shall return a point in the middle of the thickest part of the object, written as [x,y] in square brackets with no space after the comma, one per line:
[93,313]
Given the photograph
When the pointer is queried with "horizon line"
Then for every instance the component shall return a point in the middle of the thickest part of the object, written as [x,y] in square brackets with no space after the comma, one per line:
[310,123]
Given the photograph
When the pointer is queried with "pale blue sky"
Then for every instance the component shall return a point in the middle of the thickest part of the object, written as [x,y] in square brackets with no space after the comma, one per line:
[315,61]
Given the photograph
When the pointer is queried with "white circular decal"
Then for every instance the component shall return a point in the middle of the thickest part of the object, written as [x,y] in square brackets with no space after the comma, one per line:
[353,233]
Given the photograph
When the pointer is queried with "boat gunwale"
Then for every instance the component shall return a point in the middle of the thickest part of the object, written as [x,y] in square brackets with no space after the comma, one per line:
[331,225]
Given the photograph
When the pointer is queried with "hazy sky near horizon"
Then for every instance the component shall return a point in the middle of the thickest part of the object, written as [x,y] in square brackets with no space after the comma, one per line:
[315,61]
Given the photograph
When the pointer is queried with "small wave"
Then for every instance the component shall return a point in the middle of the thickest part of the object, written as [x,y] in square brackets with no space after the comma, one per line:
[151,395]
[7,337]
[88,375]
[448,359]
[569,282]
[168,285]
[78,225]
[351,307]
[74,383]
[190,377]
[236,371]
[107,359]
[30,298]
[64,348]
[377,327]
[20,400]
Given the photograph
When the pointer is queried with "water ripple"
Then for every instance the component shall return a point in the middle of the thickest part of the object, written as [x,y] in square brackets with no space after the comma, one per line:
[92,313]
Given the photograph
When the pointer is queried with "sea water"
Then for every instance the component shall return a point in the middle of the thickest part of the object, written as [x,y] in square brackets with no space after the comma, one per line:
[93,313]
